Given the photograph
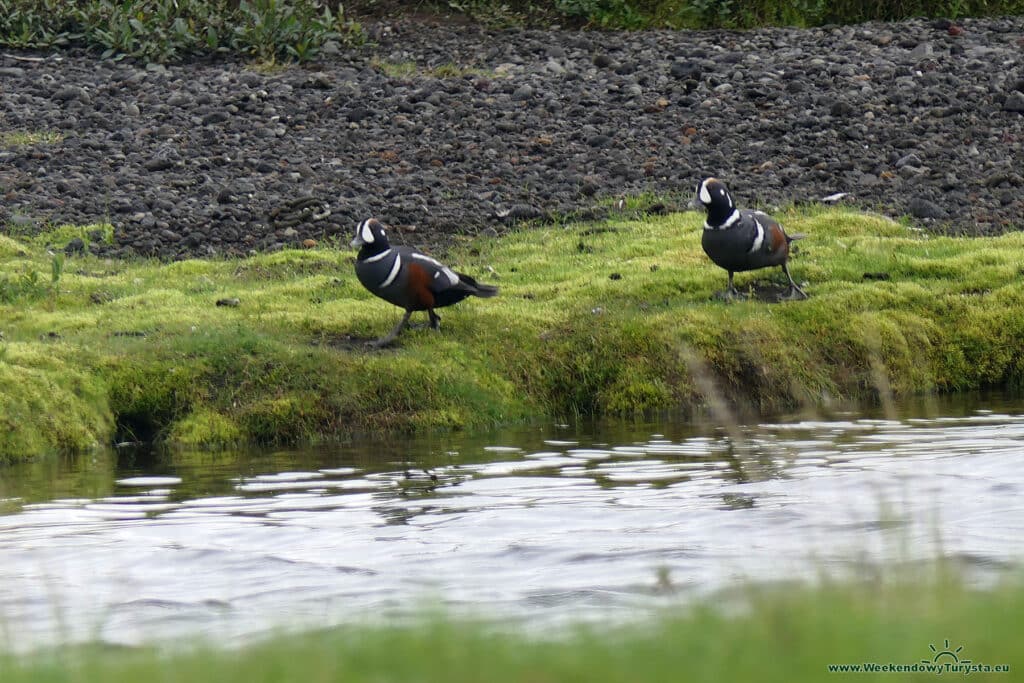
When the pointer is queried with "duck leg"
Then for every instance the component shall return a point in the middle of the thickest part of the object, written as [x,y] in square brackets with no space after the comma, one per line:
[731,293]
[794,293]
[435,319]
[393,334]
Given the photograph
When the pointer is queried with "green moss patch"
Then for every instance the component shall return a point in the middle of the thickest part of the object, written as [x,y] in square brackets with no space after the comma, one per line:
[614,318]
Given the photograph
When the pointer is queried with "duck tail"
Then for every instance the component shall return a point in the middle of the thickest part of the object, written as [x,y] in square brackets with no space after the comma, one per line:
[478,288]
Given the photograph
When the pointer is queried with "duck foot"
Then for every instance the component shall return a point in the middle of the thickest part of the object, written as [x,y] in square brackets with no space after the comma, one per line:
[794,293]
[393,334]
[730,295]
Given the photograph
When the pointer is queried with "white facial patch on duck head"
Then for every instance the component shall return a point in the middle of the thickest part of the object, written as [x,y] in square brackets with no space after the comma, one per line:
[364,234]
[703,194]
[366,231]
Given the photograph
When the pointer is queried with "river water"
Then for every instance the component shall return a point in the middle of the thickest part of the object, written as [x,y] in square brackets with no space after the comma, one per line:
[540,524]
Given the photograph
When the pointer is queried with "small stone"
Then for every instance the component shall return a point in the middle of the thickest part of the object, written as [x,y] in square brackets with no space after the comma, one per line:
[523,92]
[555,67]
[358,114]
[921,52]
[231,302]
[919,207]
[309,243]
[909,160]
[71,92]
[602,61]
[20,220]
[158,164]
[215,117]
[590,185]
[75,246]
[841,108]
[684,71]
[599,141]
[520,212]
[1014,102]
[909,171]
[318,80]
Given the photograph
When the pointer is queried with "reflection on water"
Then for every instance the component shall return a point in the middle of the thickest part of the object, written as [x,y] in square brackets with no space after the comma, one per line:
[593,521]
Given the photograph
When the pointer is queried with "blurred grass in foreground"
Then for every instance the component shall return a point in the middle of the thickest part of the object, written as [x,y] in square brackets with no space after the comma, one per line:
[782,633]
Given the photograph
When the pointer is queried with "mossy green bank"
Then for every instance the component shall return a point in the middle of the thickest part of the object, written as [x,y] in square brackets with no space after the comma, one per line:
[609,318]
[795,634]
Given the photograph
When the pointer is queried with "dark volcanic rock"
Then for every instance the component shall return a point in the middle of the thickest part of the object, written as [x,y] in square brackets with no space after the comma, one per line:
[215,158]
[919,207]
[1014,102]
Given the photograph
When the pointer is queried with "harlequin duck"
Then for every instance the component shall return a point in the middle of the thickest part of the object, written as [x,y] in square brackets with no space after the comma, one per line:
[408,278]
[742,240]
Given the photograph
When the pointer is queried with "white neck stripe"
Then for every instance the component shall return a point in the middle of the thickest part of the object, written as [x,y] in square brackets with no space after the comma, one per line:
[758,237]
[729,222]
[394,272]
[377,257]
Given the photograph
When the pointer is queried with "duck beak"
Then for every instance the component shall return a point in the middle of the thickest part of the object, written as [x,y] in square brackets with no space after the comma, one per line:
[695,205]
[356,242]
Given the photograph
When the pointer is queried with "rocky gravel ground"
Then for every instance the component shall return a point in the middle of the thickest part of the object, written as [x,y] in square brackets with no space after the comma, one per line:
[459,129]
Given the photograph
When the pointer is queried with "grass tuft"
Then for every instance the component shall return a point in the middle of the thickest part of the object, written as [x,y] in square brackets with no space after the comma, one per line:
[11,139]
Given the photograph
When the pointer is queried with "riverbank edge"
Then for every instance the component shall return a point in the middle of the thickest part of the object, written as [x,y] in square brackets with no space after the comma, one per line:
[614,318]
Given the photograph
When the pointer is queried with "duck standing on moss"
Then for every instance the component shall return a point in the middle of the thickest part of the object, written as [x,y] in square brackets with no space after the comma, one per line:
[409,279]
[742,240]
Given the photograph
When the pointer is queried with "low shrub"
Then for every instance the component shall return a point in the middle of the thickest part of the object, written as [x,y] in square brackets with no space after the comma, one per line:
[702,14]
[166,30]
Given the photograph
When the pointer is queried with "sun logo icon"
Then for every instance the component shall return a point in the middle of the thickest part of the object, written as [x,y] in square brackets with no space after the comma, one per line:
[945,652]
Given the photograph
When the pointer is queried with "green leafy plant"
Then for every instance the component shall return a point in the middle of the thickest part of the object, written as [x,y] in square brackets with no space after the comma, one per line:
[274,28]
[56,268]
[26,286]
[166,30]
